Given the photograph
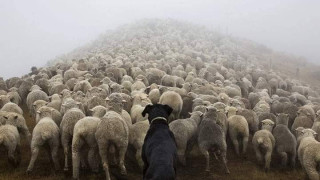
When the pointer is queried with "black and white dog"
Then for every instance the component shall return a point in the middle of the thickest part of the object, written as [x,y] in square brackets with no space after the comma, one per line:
[159,151]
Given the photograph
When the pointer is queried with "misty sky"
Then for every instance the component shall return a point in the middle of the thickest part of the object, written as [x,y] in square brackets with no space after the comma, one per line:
[35,31]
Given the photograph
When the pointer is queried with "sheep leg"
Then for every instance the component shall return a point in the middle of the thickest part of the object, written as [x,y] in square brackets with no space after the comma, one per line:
[224,161]
[54,146]
[122,154]
[207,156]
[312,171]
[215,156]
[258,154]
[138,157]
[34,155]
[310,166]
[267,158]
[293,160]
[76,145]
[47,147]
[26,133]
[65,144]
[11,157]
[112,151]
[236,145]
[181,152]
[245,144]
[103,147]
[83,156]
[18,151]
[284,158]
[93,162]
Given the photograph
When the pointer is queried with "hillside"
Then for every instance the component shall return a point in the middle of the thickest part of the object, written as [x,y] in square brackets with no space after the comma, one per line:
[156,36]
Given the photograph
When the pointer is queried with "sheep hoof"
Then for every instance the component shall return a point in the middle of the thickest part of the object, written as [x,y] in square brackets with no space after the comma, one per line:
[123,172]
[66,169]
[28,172]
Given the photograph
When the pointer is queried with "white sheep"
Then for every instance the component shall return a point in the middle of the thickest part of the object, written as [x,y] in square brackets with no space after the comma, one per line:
[173,100]
[185,133]
[137,134]
[84,134]
[44,111]
[45,131]
[69,119]
[18,121]
[10,139]
[113,133]
[264,142]
[316,125]
[12,107]
[35,94]
[238,127]
[309,153]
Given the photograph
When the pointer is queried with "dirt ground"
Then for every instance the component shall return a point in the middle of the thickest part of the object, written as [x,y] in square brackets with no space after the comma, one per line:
[241,168]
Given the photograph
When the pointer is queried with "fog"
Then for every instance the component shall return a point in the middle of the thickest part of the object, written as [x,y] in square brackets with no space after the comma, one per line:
[35,31]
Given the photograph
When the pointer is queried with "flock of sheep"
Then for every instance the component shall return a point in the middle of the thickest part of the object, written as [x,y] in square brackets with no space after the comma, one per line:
[92,106]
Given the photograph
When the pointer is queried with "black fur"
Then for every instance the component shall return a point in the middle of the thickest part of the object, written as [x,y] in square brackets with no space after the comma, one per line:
[159,151]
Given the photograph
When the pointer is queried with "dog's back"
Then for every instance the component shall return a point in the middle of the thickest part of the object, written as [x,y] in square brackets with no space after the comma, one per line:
[159,153]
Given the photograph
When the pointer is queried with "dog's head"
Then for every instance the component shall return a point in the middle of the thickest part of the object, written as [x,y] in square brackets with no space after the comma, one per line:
[157,110]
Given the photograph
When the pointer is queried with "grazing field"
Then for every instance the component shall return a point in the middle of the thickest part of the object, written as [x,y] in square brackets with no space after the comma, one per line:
[240,168]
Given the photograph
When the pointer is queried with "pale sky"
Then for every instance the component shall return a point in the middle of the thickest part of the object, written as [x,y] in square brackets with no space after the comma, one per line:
[35,31]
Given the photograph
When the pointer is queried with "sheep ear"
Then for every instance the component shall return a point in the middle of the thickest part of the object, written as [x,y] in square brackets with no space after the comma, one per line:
[190,113]
[124,101]
[201,114]
[16,117]
[226,108]
[91,110]
[6,117]
[146,110]
[298,130]
[107,99]
[38,112]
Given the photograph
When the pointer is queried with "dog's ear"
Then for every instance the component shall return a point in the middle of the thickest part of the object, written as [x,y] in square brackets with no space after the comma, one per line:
[168,109]
[146,110]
